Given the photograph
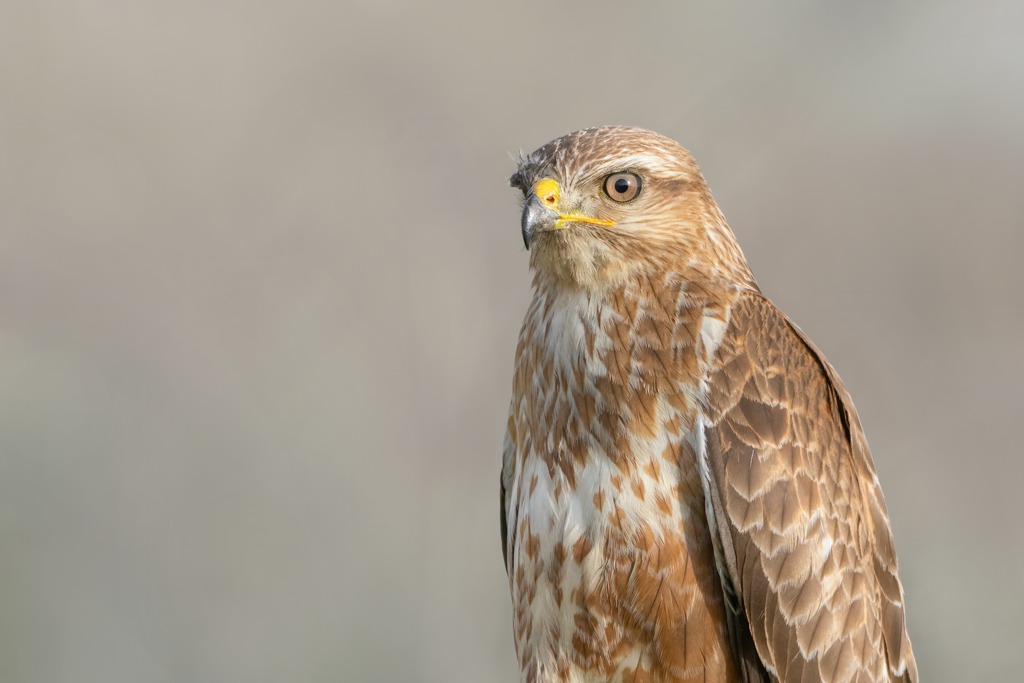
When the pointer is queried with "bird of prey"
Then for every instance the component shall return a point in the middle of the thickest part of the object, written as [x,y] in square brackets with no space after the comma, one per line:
[686,490]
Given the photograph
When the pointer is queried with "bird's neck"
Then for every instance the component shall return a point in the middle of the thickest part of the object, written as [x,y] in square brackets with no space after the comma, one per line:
[617,361]
[616,291]
[659,318]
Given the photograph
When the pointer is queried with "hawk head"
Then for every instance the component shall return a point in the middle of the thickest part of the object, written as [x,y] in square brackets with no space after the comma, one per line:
[602,204]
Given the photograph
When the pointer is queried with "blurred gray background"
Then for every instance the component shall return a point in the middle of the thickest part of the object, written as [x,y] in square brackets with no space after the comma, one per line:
[261,279]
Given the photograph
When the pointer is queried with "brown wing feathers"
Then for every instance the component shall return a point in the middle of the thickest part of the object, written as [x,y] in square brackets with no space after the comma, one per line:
[810,553]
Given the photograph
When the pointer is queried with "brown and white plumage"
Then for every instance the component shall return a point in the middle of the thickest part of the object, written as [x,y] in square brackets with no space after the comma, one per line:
[687,493]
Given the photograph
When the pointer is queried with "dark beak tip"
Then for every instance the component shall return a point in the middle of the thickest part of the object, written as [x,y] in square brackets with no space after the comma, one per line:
[535,215]
[527,229]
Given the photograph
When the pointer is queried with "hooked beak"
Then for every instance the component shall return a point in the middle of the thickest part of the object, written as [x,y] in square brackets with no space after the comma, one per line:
[536,217]
[541,213]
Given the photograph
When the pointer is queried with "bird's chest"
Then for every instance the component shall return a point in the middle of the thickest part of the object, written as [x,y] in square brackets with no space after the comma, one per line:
[611,551]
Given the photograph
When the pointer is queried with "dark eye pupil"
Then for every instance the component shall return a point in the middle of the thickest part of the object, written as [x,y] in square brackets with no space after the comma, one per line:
[622,186]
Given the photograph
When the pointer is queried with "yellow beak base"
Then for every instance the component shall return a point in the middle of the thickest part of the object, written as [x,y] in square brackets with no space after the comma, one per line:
[548,192]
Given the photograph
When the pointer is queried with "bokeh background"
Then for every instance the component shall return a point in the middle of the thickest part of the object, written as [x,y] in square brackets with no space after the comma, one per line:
[261,279]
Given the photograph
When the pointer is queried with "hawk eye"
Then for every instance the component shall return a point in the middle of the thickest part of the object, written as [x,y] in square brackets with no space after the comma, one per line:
[622,187]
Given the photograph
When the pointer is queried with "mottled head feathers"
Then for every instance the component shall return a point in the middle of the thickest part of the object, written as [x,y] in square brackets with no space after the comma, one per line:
[673,222]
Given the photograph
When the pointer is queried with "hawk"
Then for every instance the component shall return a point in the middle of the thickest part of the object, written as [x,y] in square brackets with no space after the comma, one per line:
[686,490]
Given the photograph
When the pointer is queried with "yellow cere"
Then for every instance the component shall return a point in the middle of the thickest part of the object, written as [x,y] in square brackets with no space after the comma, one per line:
[548,192]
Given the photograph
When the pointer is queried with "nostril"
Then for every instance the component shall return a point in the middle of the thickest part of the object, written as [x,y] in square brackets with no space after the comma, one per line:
[550,199]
